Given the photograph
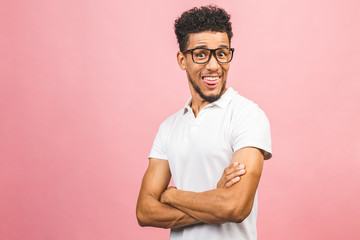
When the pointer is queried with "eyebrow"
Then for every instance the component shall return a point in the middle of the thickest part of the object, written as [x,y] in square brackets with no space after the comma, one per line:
[204,46]
[201,46]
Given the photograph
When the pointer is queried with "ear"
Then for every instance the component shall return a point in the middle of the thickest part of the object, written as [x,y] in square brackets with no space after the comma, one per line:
[181,60]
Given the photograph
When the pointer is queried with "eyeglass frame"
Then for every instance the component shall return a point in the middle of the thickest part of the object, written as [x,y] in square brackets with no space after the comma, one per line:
[212,52]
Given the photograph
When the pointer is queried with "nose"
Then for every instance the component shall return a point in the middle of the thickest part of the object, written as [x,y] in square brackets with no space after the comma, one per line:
[213,64]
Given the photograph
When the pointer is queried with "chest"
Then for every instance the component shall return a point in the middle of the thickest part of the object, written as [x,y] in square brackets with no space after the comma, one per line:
[199,149]
[206,134]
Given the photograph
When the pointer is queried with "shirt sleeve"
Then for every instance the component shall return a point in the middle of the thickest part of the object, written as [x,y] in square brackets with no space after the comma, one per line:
[252,129]
[158,149]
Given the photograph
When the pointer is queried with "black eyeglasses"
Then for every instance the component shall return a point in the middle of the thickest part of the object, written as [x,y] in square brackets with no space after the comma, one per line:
[203,55]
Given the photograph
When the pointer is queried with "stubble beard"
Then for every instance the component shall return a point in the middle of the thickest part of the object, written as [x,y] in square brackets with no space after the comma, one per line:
[211,98]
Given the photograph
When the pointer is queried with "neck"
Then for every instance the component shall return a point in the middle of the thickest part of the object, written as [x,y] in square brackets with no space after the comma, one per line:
[197,102]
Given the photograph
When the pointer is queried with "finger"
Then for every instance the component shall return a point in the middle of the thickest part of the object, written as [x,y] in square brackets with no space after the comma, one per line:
[220,184]
[240,166]
[230,172]
[232,182]
[234,178]
[234,174]
[233,167]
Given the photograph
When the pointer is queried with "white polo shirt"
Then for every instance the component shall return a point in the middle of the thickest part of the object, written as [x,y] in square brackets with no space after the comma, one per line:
[199,149]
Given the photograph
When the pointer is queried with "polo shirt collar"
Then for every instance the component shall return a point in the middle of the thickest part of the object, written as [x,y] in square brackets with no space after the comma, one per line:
[222,102]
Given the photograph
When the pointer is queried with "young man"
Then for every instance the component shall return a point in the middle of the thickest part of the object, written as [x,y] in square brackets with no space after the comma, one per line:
[216,130]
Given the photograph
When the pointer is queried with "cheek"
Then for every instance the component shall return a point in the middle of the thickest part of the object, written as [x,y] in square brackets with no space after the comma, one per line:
[193,71]
[225,70]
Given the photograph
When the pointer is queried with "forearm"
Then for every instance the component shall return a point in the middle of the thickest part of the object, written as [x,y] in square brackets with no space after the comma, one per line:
[214,207]
[231,204]
[151,212]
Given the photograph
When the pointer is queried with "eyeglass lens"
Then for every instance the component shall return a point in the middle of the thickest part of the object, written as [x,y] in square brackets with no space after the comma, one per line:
[223,55]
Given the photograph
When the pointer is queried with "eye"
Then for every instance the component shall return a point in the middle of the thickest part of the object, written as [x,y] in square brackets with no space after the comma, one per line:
[200,54]
[222,53]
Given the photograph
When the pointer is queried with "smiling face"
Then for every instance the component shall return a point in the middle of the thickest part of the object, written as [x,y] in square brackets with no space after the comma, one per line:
[207,81]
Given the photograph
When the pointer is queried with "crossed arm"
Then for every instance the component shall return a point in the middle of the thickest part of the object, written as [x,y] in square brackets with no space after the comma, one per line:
[232,201]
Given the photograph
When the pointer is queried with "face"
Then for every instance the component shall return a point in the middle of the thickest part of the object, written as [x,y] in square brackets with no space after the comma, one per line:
[207,81]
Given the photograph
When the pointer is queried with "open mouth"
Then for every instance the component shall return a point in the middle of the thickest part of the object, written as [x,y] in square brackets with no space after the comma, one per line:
[211,81]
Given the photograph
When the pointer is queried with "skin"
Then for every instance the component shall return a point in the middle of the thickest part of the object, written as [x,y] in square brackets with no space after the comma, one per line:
[151,212]
[196,72]
[222,205]
[167,207]
[231,175]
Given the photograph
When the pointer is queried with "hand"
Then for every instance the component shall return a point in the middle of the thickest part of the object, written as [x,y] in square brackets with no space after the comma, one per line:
[165,195]
[231,175]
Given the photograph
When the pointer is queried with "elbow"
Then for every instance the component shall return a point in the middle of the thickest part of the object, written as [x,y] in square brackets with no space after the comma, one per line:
[146,218]
[141,222]
[240,216]
[142,215]
[140,218]
[237,212]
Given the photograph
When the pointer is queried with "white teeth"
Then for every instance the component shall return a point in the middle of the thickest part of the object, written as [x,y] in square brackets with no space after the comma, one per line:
[211,78]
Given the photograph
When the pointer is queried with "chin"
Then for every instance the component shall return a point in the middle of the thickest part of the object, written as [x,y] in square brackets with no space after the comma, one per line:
[212,97]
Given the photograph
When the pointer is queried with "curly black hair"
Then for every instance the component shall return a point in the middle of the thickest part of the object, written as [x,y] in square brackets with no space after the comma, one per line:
[205,18]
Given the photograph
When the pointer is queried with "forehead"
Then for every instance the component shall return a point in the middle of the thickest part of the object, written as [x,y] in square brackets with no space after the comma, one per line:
[208,39]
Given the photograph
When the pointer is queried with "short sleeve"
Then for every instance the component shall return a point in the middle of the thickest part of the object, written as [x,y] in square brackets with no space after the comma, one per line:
[158,149]
[252,129]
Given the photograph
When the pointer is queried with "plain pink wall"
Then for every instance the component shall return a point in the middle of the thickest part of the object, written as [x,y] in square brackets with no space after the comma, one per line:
[84,86]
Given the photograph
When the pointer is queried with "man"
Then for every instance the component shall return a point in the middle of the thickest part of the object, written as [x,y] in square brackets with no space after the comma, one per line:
[218,129]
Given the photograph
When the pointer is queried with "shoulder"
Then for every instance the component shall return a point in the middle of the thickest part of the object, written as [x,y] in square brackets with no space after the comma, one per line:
[174,117]
[244,109]
[170,121]
[159,148]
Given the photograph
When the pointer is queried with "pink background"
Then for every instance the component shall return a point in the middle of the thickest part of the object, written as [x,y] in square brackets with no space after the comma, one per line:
[84,86]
